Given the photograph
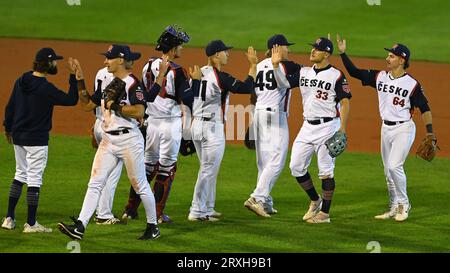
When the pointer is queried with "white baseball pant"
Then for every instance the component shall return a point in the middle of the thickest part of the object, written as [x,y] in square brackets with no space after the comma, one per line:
[272,141]
[209,141]
[396,141]
[311,139]
[105,205]
[128,148]
[30,164]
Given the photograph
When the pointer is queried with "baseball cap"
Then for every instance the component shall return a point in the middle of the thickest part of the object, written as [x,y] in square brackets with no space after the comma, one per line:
[323,44]
[121,51]
[47,54]
[401,51]
[278,39]
[216,46]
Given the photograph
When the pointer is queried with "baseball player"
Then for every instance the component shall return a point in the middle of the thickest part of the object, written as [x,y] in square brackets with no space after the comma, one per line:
[164,122]
[270,127]
[104,209]
[121,141]
[210,108]
[28,121]
[326,101]
[398,94]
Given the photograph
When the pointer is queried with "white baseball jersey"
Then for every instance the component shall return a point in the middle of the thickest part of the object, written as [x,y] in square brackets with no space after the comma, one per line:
[210,103]
[321,89]
[394,96]
[397,97]
[269,94]
[102,79]
[212,100]
[167,103]
[134,95]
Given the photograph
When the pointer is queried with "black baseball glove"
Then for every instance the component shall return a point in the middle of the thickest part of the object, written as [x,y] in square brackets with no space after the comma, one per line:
[187,147]
[114,92]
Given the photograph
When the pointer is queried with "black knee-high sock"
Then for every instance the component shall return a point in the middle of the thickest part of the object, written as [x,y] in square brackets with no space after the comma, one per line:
[32,200]
[328,186]
[14,194]
[307,185]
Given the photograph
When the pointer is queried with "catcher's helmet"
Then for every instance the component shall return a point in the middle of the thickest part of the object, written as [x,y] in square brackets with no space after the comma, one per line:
[171,37]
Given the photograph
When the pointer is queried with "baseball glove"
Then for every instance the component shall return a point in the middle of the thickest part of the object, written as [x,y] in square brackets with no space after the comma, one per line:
[336,144]
[428,148]
[187,147]
[114,92]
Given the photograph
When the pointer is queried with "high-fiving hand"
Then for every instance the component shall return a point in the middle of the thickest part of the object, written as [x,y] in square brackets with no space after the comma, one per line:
[341,44]
[277,55]
[251,55]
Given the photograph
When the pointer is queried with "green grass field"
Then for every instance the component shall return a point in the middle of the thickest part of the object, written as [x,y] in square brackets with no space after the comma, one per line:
[360,194]
[423,25]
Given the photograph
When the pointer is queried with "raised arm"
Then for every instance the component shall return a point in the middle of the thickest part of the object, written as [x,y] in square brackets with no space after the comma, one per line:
[283,79]
[367,77]
[85,99]
[156,86]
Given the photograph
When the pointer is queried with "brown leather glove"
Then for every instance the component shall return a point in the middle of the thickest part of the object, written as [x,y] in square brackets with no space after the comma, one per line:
[428,148]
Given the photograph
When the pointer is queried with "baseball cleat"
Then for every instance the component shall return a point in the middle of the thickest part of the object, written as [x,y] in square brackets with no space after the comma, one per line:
[269,209]
[129,214]
[203,219]
[110,221]
[256,207]
[402,213]
[8,223]
[75,231]
[36,228]
[215,214]
[164,219]
[388,214]
[151,232]
[314,208]
[319,218]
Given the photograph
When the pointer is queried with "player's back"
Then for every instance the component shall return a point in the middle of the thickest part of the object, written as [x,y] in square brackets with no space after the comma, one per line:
[165,104]
[269,95]
[210,103]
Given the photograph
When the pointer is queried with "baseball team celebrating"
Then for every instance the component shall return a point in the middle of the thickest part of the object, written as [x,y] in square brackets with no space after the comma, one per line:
[141,124]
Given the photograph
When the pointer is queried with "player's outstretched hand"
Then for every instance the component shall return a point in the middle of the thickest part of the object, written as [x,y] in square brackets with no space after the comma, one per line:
[277,56]
[341,44]
[71,65]
[78,71]
[195,73]
[251,55]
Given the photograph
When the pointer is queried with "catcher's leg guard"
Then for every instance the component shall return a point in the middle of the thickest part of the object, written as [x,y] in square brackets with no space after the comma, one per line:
[133,199]
[162,186]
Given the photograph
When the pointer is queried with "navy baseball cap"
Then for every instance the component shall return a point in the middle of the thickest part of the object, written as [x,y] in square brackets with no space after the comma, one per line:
[278,39]
[323,44]
[401,51]
[216,46]
[121,51]
[47,54]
